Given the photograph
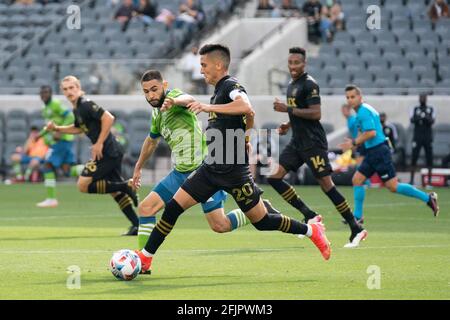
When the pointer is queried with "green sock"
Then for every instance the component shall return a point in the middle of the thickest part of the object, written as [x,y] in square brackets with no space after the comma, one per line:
[146,225]
[28,173]
[76,170]
[17,168]
[50,184]
[237,218]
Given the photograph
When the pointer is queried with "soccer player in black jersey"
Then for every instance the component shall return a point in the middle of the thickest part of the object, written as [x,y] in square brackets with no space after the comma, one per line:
[308,144]
[101,174]
[226,166]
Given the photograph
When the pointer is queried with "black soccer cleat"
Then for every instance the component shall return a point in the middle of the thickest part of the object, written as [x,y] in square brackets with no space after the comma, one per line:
[270,208]
[133,231]
[433,203]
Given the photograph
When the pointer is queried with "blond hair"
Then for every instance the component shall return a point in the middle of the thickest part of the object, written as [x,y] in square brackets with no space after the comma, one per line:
[73,79]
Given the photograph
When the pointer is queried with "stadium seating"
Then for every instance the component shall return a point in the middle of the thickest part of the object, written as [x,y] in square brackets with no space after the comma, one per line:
[37,35]
[407,45]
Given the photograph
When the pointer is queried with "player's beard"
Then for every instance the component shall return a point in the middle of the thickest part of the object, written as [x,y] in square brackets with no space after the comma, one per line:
[160,102]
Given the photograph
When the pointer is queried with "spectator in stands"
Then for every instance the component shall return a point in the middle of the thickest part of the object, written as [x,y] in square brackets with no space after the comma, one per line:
[191,64]
[439,9]
[313,9]
[191,12]
[124,13]
[146,11]
[422,118]
[32,155]
[390,131]
[166,16]
[335,14]
[287,9]
[265,5]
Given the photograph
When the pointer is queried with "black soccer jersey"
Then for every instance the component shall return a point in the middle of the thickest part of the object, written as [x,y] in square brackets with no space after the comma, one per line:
[303,93]
[233,151]
[88,118]
[423,118]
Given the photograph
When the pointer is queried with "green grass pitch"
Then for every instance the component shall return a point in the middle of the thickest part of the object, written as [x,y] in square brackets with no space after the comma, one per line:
[410,247]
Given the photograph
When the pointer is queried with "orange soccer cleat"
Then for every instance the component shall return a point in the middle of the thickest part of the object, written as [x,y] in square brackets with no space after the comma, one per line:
[146,263]
[320,240]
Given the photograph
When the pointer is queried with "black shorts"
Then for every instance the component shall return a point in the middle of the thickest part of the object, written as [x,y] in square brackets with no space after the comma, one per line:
[378,159]
[202,184]
[316,158]
[106,168]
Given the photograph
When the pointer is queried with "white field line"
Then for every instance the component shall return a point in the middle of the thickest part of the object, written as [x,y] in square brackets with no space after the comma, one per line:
[178,251]
[369,205]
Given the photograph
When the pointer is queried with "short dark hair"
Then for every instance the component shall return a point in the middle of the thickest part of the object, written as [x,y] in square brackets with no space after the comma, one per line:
[34,128]
[298,50]
[151,75]
[46,87]
[351,87]
[222,50]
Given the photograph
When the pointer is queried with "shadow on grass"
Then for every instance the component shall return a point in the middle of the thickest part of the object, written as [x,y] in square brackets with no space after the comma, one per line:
[148,284]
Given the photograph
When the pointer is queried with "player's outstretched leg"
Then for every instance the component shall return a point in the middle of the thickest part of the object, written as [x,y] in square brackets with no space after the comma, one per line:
[126,206]
[411,191]
[357,231]
[264,221]
[238,218]
[290,196]
[164,226]
[104,186]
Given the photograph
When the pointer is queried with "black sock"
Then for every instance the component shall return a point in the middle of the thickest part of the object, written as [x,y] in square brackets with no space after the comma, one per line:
[343,208]
[162,229]
[282,223]
[288,193]
[126,205]
[105,186]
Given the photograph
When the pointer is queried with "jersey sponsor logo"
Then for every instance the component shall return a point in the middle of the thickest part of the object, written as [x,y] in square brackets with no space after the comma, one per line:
[294,91]
[314,93]
[291,102]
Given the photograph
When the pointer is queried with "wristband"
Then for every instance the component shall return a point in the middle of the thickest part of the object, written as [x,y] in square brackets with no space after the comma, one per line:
[354,142]
[290,110]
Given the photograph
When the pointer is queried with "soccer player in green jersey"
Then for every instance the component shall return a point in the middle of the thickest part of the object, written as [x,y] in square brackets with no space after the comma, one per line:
[182,132]
[60,153]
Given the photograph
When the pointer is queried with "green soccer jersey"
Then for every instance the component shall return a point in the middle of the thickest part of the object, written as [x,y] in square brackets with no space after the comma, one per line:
[54,111]
[181,130]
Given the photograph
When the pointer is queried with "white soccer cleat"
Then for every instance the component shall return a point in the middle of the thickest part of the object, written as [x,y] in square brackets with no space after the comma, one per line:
[316,219]
[48,203]
[357,239]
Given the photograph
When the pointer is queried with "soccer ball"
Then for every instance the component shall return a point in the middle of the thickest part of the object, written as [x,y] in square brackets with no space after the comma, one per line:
[125,264]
